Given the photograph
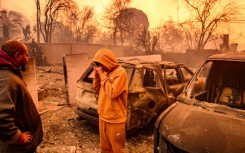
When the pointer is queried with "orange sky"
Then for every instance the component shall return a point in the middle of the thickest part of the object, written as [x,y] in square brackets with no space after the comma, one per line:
[157,11]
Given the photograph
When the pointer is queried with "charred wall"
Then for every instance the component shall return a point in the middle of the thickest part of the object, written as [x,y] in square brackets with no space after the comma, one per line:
[55,51]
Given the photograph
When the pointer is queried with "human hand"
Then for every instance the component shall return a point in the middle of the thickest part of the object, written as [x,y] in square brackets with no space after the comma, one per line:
[27,137]
[98,69]
[95,71]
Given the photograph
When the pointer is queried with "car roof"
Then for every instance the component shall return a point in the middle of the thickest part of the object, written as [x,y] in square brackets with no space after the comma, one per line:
[133,61]
[169,63]
[136,61]
[234,56]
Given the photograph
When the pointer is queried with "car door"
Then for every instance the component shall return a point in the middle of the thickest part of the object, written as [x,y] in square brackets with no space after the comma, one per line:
[146,98]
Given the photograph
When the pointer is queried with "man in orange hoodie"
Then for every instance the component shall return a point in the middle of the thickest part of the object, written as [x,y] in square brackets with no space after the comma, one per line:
[111,83]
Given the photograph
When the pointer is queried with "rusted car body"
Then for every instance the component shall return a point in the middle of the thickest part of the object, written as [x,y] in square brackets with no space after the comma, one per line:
[153,86]
[209,119]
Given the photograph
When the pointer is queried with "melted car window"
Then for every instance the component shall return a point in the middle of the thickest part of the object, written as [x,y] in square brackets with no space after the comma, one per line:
[171,76]
[187,74]
[136,80]
[224,83]
[197,88]
[231,88]
[149,78]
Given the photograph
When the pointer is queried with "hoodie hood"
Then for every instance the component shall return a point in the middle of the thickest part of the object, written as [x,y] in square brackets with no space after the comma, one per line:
[6,61]
[107,58]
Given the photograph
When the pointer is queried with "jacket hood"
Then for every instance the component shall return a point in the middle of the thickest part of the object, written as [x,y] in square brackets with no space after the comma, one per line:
[5,60]
[107,58]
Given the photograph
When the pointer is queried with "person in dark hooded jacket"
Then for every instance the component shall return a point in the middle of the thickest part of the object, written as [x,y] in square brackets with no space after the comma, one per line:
[20,123]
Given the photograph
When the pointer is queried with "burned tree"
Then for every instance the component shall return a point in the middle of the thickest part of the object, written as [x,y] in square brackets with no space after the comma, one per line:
[171,36]
[110,15]
[125,23]
[86,26]
[38,19]
[52,11]
[148,41]
[16,20]
[27,32]
[206,16]
[19,26]
[130,23]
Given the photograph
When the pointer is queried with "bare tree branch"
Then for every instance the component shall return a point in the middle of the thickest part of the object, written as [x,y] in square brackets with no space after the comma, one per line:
[207,15]
[52,11]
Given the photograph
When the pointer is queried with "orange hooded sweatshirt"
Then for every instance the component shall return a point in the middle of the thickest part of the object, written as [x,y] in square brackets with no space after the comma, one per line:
[112,87]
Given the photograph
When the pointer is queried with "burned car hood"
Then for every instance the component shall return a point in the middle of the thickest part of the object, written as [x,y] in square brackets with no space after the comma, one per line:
[197,125]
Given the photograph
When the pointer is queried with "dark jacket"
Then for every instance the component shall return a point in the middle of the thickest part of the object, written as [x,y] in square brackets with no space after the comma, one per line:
[17,111]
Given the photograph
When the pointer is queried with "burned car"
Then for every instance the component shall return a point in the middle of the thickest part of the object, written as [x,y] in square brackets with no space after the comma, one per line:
[208,119]
[153,86]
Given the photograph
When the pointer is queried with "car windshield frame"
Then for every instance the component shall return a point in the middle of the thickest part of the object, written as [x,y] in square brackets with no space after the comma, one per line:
[222,83]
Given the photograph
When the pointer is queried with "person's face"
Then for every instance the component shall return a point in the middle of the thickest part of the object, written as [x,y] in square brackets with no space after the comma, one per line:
[99,64]
[22,59]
